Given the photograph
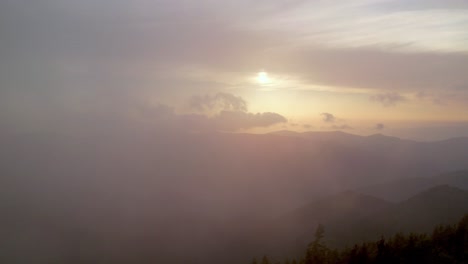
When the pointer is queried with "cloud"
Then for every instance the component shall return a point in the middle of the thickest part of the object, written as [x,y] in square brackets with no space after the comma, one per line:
[226,121]
[441,98]
[230,113]
[227,112]
[89,54]
[307,126]
[388,99]
[461,88]
[235,120]
[379,126]
[374,68]
[422,5]
[341,127]
[121,32]
[221,112]
[328,118]
[421,95]
[220,101]
[332,119]
[213,37]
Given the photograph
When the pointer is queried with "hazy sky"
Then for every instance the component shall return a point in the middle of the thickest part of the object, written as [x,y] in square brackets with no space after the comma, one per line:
[363,66]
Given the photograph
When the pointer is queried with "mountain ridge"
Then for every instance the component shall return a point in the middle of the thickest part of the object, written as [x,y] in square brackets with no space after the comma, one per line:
[360,222]
[375,135]
[401,189]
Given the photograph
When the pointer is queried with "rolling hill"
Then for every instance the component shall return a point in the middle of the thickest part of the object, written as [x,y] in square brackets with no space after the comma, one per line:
[351,218]
[402,189]
[144,188]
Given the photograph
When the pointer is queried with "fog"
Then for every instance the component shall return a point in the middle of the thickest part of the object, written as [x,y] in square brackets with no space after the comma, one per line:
[137,132]
[138,192]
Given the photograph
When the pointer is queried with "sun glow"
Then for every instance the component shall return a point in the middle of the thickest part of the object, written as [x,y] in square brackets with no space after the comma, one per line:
[263,78]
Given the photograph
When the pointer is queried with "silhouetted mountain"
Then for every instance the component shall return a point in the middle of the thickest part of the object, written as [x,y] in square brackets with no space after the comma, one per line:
[439,205]
[443,244]
[137,188]
[351,218]
[340,205]
[287,234]
[287,133]
[401,189]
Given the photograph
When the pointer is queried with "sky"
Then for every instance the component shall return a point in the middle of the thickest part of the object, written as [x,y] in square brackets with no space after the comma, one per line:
[360,66]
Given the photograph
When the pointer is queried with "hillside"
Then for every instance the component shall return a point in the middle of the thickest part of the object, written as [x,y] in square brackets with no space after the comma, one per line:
[227,186]
[443,244]
[350,218]
[402,189]
[439,205]
[293,231]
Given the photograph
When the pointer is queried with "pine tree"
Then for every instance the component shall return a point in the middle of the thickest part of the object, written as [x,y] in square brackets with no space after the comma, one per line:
[265,260]
[317,252]
[381,251]
[447,244]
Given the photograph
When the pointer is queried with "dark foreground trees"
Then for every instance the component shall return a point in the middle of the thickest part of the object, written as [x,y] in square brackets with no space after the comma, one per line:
[446,244]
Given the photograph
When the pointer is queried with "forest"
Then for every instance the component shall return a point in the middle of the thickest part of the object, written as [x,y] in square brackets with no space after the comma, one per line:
[446,244]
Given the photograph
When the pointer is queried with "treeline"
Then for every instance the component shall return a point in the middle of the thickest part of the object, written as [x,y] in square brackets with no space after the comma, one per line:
[446,244]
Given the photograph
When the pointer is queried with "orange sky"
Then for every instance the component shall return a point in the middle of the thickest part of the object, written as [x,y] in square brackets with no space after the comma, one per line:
[366,62]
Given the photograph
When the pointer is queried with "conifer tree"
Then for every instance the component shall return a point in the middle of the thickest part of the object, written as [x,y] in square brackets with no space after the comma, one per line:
[317,252]
[265,260]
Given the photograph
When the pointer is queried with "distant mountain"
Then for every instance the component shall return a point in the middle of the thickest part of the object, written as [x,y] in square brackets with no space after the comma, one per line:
[184,190]
[351,217]
[335,209]
[294,230]
[287,133]
[401,189]
[457,179]
[337,136]
[336,212]
[439,205]
[378,158]
[444,244]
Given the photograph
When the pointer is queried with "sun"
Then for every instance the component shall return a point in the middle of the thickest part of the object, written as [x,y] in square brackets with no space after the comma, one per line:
[262,78]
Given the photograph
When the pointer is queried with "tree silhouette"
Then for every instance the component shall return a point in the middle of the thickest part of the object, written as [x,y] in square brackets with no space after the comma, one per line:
[317,252]
[265,260]
[446,244]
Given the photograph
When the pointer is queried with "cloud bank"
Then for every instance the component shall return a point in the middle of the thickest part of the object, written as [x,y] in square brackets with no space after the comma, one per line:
[388,99]
[221,112]
[219,101]
[379,126]
[328,118]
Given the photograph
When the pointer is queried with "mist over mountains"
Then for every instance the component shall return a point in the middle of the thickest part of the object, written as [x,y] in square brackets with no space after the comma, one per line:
[126,196]
[351,217]
[402,189]
[205,132]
